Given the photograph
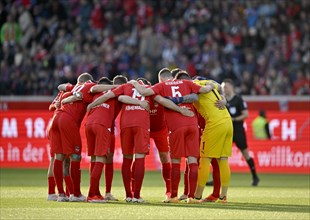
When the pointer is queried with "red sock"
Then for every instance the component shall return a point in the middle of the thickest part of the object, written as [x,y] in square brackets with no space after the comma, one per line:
[192,179]
[67,191]
[216,178]
[51,185]
[126,174]
[91,167]
[95,179]
[166,173]
[76,177]
[139,176]
[133,183]
[175,179]
[108,171]
[58,175]
[69,185]
[186,180]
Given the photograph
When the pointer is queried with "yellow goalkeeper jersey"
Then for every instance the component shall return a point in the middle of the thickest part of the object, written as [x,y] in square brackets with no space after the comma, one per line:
[205,105]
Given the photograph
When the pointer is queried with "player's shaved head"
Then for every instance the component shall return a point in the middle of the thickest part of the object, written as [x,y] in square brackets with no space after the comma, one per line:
[182,75]
[164,74]
[84,77]
[119,80]
[105,80]
[144,81]
[175,71]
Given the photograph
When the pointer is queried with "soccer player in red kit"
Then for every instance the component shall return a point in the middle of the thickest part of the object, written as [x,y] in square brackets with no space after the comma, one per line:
[184,134]
[68,122]
[50,176]
[109,168]
[159,133]
[134,135]
[98,128]
[54,139]
[135,125]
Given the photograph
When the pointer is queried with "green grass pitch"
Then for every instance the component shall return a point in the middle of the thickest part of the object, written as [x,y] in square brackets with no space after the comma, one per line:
[23,195]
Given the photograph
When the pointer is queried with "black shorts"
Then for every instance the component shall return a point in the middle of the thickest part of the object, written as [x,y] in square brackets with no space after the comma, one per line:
[240,138]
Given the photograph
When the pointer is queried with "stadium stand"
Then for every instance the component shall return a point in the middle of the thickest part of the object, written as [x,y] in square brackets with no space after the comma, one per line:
[262,45]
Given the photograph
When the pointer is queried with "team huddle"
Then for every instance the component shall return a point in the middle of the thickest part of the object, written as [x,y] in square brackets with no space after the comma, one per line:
[186,119]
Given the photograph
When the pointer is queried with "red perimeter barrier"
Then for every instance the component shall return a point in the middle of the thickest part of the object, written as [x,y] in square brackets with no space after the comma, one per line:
[23,143]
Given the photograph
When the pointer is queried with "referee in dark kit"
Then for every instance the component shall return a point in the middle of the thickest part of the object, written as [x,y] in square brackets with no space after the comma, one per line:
[238,110]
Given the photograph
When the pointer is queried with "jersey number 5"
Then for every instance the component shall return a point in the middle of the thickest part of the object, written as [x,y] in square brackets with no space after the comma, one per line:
[175,92]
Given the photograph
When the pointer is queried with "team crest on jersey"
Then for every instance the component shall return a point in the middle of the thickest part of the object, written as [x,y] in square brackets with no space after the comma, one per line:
[77,149]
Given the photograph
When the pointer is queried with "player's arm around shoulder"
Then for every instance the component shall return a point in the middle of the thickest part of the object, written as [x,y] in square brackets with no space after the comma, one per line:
[207,87]
[102,88]
[76,96]
[101,99]
[65,87]
[132,101]
[190,98]
[142,89]
[171,105]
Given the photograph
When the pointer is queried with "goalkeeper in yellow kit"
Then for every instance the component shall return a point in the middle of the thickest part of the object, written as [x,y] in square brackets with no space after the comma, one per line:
[216,140]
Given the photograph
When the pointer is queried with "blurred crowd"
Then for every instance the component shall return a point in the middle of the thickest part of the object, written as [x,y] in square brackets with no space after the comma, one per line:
[263,45]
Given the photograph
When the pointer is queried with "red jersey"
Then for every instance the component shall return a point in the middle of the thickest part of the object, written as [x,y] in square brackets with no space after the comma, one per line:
[177,88]
[77,109]
[52,106]
[103,114]
[69,87]
[132,115]
[59,97]
[157,116]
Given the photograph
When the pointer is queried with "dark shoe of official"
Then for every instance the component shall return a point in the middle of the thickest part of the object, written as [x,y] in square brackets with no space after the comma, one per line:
[255,181]
[209,183]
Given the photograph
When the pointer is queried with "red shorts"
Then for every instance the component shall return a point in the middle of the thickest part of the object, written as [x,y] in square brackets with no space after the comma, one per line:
[184,142]
[135,140]
[98,139]
[54,139]
[70,135]
[54,136]
[161,139]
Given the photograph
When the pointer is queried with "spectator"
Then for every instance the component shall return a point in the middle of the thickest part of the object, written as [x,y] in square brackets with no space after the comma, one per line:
[10,32]
[260,127]
[244,40]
